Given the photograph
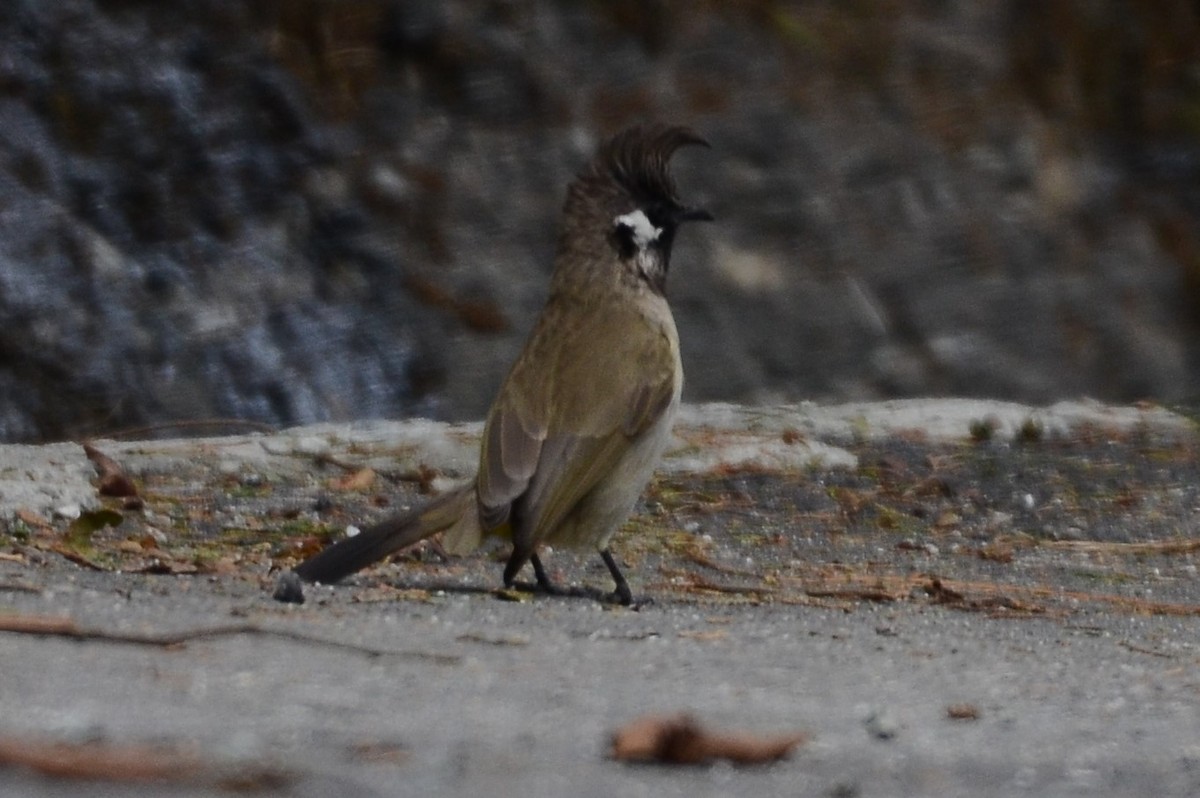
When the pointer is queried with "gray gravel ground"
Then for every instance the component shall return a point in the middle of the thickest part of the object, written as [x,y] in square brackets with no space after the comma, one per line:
[1090,688]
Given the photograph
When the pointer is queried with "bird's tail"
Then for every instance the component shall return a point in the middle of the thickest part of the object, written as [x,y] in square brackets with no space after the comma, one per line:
[455,511]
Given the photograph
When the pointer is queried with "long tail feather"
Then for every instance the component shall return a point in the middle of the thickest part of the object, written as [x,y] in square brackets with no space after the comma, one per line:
[388,536]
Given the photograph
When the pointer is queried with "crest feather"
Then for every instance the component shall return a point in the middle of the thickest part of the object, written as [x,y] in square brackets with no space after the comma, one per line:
[638,160]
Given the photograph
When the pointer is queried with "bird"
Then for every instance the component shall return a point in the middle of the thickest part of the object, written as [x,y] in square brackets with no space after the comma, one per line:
[585,413]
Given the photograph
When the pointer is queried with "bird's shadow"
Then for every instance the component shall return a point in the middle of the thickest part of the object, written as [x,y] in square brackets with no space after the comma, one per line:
[532,589]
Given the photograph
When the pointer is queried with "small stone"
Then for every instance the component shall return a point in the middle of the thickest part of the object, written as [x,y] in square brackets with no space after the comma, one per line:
[311,445]
[68,511]
[389,187]
[882,725]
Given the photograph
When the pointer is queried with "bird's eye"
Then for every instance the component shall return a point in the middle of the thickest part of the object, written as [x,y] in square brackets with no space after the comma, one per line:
[623,235]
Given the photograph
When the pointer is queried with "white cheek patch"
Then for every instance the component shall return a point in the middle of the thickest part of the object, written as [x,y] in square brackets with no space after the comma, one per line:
[644,233]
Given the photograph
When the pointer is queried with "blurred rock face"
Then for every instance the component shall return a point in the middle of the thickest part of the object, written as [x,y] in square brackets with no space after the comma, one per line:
[296,211]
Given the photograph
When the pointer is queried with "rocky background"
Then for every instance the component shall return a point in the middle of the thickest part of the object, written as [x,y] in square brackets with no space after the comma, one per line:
[289,210]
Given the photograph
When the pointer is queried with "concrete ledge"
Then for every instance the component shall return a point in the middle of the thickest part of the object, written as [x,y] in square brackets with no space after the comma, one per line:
[57,478]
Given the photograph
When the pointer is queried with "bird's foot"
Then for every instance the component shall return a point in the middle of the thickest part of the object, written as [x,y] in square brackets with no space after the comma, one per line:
[621,595]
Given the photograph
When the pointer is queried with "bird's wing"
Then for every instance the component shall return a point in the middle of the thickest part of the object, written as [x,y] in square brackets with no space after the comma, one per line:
[570,409]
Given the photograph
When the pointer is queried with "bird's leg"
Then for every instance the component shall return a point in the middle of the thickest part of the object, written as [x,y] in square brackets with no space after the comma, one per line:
[517,561]
[543,579]
[622,592]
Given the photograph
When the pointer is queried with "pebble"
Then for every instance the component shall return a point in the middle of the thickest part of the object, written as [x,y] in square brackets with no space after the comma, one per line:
[311,445]
[68,511]
[882,725]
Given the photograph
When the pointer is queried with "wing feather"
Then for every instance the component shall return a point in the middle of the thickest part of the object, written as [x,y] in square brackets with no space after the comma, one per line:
[550,440]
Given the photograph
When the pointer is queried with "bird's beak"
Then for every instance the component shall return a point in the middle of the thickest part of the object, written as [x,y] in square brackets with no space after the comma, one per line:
[693,215]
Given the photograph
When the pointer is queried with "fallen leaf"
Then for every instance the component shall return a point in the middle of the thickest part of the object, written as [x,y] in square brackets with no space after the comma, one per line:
[131,764]
[33,519]
[941,594]
[512,594]
[997,551]
[360,480]
[704,635]
[36,624]
[377,752]
[308,546]
[680,740]
[96,761]
[962,712]
[113,479]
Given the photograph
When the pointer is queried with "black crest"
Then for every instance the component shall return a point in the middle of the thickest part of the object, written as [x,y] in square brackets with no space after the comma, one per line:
[638,160]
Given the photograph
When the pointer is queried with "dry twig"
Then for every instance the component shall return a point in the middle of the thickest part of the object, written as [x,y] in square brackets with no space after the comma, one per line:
[59,626]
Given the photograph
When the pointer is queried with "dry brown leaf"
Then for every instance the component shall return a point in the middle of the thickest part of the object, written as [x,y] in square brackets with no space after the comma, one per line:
[37,624]
[113,479]
[308,546]
[792,436]
[704,635]
[1140,548]
[680,740]
[33,519]
[131,764]
[97,761]
[942,594]
[997,551]
[963,712]
[379,752]
[359,480]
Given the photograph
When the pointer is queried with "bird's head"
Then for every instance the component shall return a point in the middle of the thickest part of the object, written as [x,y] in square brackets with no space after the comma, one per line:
[623,207]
